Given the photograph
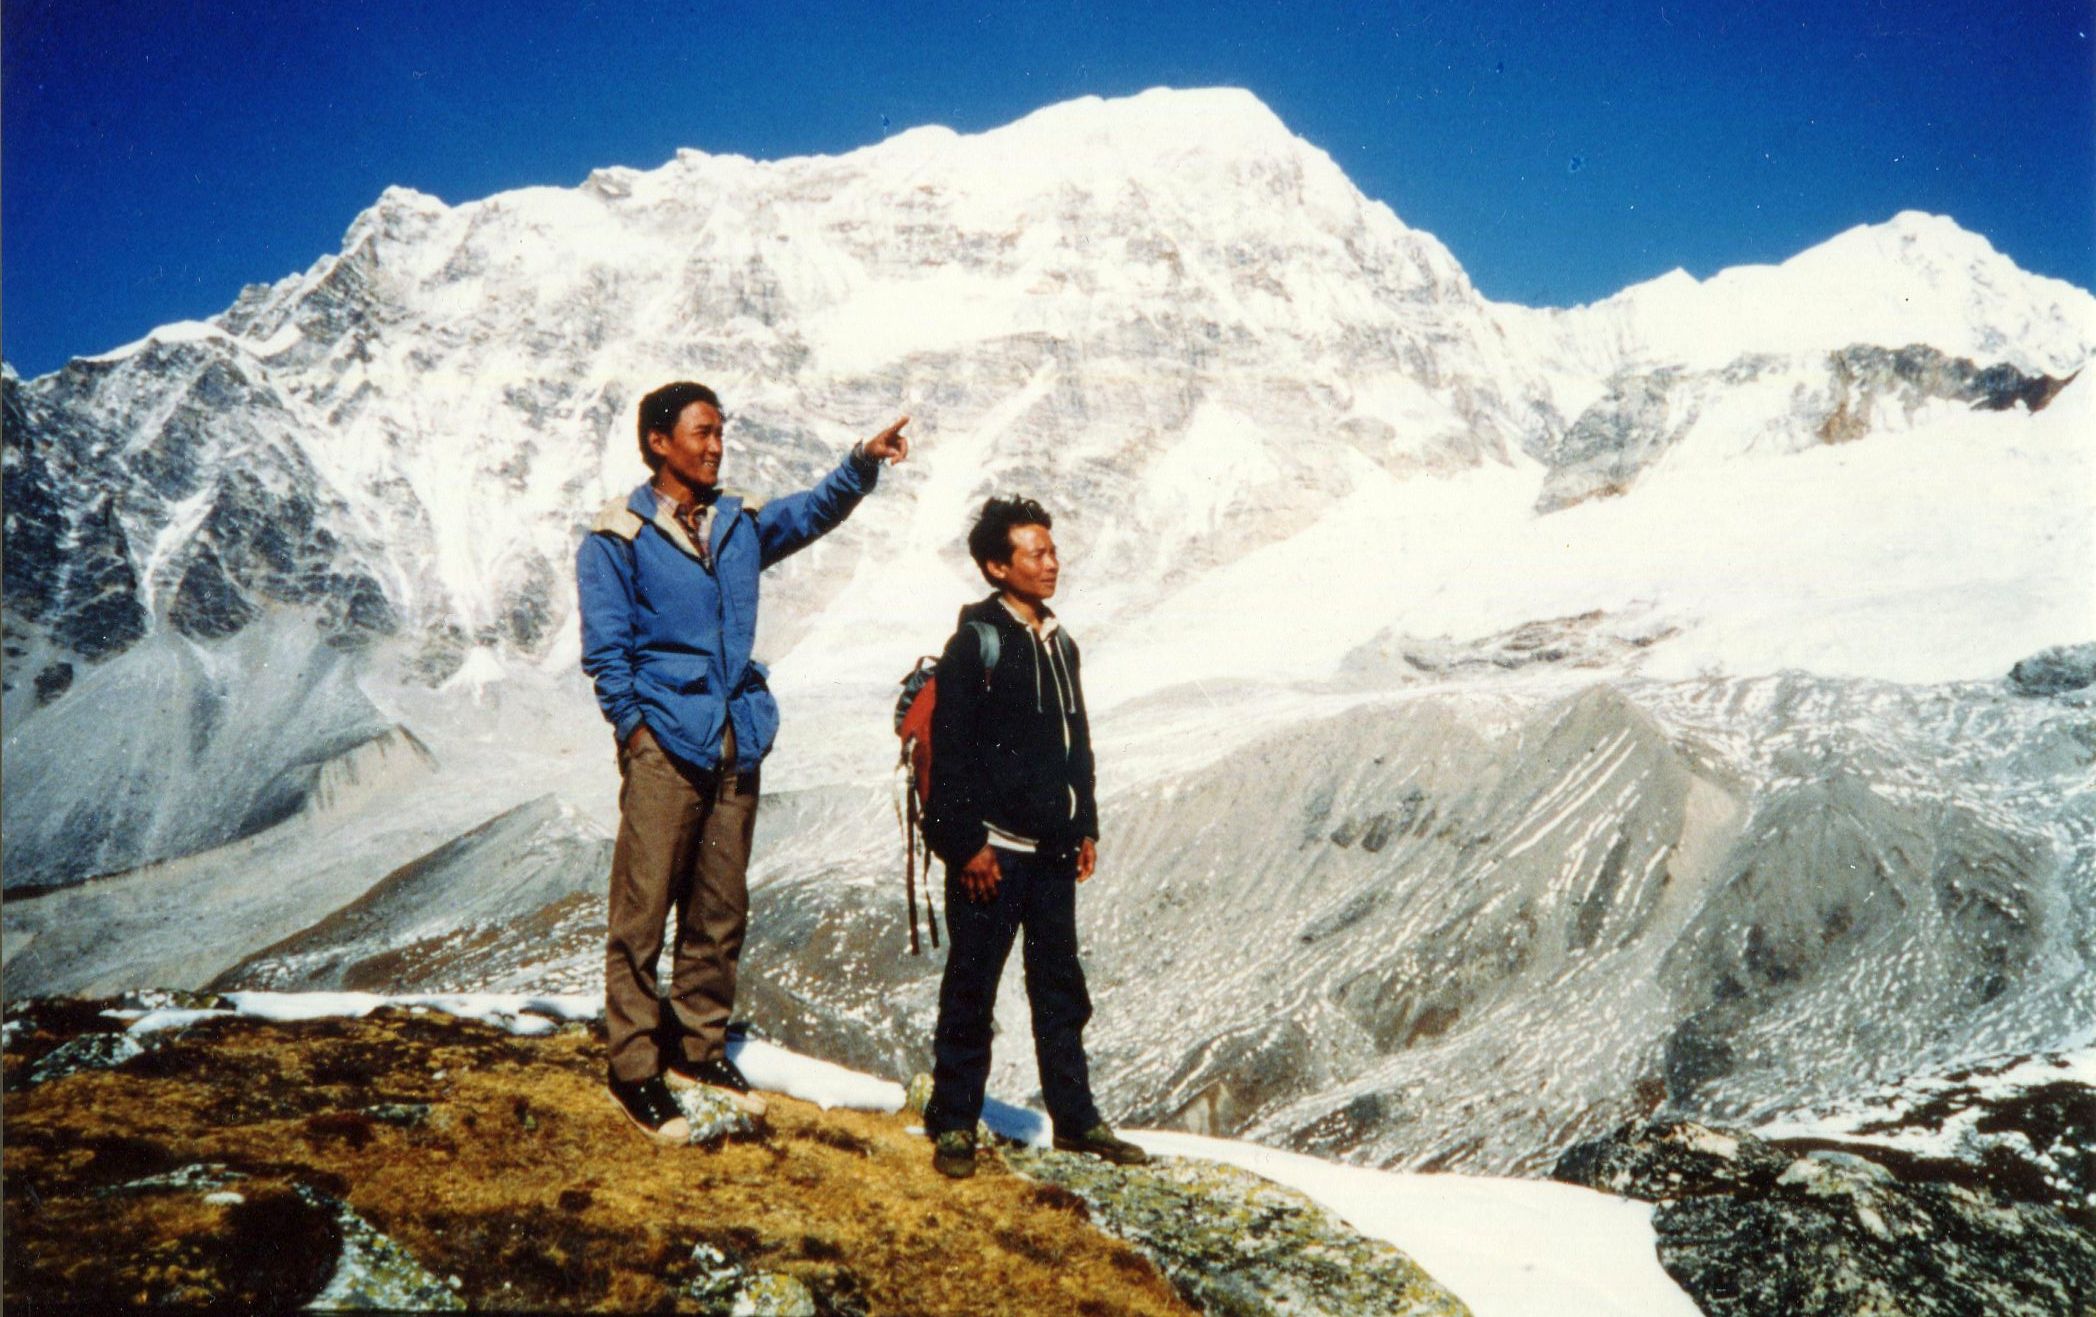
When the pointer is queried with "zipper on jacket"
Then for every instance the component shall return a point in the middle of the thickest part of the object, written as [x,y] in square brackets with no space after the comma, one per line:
[728,688]
[1066,687]
[1065,691]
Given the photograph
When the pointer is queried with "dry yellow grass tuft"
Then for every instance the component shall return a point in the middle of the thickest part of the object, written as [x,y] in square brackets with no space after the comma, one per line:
[501,1161]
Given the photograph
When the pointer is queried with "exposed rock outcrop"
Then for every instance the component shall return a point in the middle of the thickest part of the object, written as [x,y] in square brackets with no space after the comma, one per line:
[1754,1229]
[1234,1243]
[1766,402]
[2055,671]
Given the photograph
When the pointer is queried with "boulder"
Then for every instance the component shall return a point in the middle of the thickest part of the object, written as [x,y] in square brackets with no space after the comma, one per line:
[1750,1229]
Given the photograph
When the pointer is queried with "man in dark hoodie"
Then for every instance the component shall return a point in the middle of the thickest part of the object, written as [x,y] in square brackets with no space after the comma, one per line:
[1012,815]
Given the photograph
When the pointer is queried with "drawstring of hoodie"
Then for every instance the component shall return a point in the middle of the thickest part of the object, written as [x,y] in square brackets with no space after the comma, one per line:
[1065,684]
[1058,672]
[1065,690]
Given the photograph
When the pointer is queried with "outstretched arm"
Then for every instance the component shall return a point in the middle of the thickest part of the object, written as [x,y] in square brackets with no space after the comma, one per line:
[789,524]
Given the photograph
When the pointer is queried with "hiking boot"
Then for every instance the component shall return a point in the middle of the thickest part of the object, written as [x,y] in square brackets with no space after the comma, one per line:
[718,1073]
[953,1155]
[1101,1141]
[648,1104]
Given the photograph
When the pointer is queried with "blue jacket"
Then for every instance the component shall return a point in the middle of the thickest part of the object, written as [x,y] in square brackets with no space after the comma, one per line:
[666,637]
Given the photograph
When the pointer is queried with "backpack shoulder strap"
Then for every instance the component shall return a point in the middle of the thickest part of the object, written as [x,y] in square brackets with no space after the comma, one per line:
[991,645]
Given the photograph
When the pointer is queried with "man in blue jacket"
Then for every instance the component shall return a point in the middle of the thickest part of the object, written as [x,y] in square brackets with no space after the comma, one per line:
[667,580]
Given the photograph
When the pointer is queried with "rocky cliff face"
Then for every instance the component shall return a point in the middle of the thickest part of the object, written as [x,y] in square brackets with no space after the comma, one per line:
[1766,404]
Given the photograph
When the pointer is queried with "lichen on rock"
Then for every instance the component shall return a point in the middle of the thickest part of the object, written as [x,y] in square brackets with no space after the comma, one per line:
[713,1115]
[726,1286]
[375,1273]
[95,1051]
[1237,1244]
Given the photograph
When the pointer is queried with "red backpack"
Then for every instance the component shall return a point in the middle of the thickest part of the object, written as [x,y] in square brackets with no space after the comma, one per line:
[913,727]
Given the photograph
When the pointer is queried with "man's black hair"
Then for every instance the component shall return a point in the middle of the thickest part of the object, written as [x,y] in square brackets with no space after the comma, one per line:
[990,538]
[659,412]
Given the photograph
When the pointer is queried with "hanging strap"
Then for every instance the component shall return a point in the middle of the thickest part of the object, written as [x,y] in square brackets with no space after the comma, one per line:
[931,916]
[909,870]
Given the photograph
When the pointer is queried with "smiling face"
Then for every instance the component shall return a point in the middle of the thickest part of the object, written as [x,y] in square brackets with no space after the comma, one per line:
[1029,575]
[690,451]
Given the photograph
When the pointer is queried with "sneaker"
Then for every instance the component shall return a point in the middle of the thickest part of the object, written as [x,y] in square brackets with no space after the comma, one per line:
[648,1104]
[1101,1141]
[953,1154]
[718,1073]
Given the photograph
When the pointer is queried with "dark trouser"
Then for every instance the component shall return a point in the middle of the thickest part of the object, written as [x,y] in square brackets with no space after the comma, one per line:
[1039,894]
[684,843]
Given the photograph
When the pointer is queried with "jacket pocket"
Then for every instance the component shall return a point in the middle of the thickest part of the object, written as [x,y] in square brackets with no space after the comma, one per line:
[679,674]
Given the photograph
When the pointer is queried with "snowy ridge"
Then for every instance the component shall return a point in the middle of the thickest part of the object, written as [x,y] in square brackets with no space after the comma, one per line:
[1916,278]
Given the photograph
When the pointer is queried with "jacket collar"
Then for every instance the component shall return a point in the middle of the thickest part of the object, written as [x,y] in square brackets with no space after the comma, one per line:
[994,611]
[652,508]
[1048,622]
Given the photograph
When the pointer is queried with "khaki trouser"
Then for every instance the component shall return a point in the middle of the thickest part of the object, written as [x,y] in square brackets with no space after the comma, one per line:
[683,844]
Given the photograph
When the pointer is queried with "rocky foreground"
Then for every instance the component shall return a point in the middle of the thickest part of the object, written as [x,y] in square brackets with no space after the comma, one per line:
[410,1160]
[1755,1227]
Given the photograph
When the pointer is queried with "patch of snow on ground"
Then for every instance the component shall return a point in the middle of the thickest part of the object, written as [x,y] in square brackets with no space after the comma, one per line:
[519,1013]
[1507,1248]
[171,1017]
[772,1068]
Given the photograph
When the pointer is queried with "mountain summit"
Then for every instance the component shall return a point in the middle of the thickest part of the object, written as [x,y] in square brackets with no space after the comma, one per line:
[1915,278]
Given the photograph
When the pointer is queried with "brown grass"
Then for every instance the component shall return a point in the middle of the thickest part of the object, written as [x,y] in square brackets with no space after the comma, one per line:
[522,1180]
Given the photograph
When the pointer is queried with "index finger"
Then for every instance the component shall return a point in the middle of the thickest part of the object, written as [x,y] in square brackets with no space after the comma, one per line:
[895,429]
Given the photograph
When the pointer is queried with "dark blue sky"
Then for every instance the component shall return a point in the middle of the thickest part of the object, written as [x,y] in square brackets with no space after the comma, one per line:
[159,154]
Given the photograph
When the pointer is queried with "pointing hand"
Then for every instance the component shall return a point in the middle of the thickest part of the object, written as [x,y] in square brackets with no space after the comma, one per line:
[890,445]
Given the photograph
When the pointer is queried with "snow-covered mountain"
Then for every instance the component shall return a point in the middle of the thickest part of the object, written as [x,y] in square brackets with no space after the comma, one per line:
[1569,711]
